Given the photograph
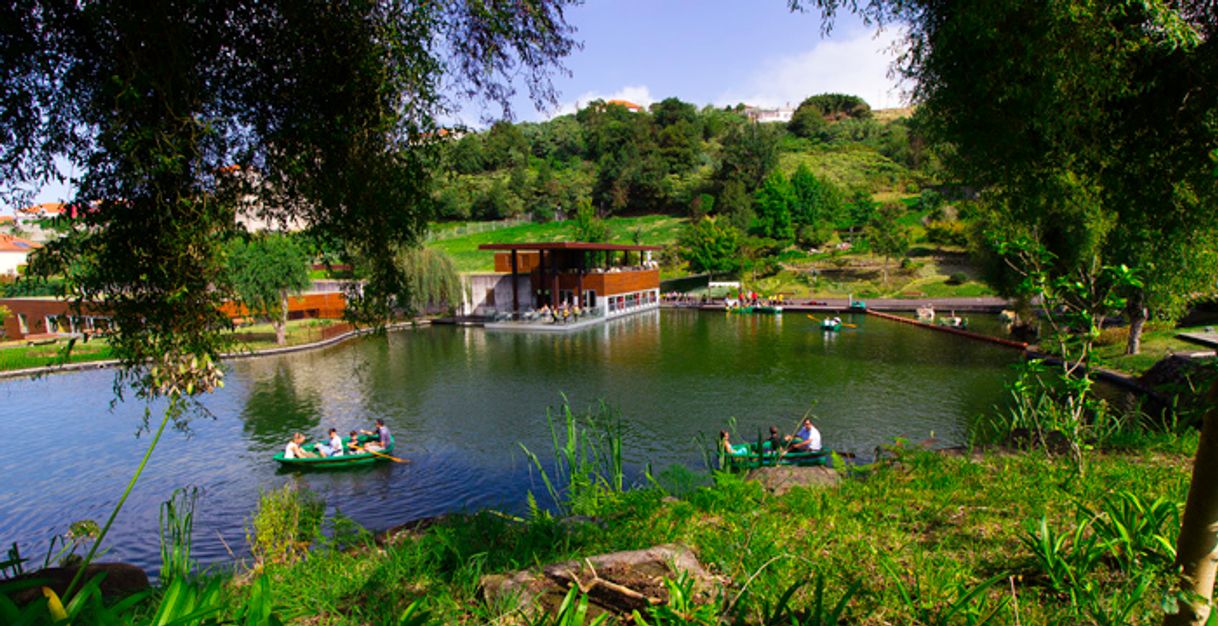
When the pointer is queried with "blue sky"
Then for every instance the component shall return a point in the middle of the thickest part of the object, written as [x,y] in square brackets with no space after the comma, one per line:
[706,52]
[717,52]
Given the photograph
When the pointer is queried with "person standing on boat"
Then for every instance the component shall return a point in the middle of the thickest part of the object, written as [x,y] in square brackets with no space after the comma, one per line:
[382,436]
[807,439]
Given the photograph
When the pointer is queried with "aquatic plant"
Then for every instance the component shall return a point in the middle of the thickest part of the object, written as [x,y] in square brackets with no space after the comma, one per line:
[177,530]
[587,458]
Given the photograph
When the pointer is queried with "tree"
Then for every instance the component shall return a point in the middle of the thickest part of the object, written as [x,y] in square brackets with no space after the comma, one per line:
[588,227]
[736,205]
[431,281]
[710,245]
[773,202]
[264,269]
[886,235]
[816,207]
[328,110]
[749,152]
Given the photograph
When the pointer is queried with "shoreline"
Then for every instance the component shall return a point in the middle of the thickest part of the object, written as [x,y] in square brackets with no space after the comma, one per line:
[35,372]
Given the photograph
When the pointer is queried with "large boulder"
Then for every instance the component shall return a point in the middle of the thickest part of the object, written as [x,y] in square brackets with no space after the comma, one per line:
[122,579]
[616,583]
[779,480]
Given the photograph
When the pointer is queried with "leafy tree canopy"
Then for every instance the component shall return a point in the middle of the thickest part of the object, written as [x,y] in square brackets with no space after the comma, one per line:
[327,108]
[711,245]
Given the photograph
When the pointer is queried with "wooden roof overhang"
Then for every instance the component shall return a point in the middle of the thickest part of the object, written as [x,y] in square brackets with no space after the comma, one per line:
[568,245]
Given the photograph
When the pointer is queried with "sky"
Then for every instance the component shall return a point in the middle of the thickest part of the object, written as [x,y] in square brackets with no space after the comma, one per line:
[719,52]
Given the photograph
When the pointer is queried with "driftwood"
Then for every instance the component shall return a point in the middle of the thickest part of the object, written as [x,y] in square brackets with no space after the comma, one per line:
[616,583]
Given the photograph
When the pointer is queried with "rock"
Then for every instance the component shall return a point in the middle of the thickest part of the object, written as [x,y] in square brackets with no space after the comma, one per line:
[411,529]
[779,480]
[616,583]
[122,579]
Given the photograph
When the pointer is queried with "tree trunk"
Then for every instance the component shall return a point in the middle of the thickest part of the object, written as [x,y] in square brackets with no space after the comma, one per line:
[1136,311]
[281,323]
[1197,548]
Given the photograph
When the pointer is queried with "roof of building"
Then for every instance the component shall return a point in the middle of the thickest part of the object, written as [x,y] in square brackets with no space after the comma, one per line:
[626,103]
[566,245]
[10,243]
[44,208]
[4,219]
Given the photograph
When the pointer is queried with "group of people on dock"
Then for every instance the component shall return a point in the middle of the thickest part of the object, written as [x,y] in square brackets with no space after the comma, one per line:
[562,313]
[333,445]
[806,439]
[752,298]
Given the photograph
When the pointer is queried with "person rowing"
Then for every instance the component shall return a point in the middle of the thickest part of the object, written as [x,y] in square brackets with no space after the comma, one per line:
[382,437]
[806,439]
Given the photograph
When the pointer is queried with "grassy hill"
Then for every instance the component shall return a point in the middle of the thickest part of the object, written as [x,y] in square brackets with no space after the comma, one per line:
[656,230]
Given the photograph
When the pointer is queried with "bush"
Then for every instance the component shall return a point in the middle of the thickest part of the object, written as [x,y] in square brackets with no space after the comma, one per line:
[957,278]
[285,525]
[946,233]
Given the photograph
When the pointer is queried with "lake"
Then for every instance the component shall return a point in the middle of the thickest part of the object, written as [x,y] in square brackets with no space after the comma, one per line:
[460,401]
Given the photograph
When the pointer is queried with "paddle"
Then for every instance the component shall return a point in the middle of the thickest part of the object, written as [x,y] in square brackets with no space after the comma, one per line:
[843,323]
[381,454]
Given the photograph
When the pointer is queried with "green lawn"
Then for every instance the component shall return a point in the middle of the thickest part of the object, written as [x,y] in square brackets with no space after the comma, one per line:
[1158,341]
[656,230]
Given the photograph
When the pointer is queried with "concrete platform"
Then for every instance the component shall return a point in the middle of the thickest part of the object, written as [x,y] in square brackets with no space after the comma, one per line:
[1209,340]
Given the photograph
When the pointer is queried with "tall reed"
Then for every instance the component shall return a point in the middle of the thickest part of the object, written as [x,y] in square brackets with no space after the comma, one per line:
[177,528]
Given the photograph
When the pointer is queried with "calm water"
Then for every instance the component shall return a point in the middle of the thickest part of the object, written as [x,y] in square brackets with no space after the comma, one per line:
[458,401]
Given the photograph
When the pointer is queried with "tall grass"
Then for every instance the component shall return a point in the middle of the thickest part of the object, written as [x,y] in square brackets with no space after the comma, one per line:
[587,457]
[177,530]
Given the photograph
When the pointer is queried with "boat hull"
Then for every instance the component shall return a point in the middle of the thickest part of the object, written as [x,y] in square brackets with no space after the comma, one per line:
[750,459]
[336,462]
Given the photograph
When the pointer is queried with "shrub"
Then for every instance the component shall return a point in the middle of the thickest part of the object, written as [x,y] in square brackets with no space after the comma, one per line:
[957,278]
[946,233]
[286,523]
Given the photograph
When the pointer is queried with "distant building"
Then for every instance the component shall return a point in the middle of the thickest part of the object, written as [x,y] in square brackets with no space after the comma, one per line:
[14,253]
[777,114]
[634,108]
[603,280]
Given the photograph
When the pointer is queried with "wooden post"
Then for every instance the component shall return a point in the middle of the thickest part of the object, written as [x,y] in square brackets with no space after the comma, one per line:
[579,281]
[541,278]
[515,297]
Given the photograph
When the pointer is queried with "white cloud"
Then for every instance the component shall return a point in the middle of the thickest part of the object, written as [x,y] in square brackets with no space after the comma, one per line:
[638,94]
[857,66]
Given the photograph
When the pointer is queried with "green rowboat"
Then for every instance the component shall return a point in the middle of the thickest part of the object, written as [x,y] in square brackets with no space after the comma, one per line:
[830,326]
[745,457]
[337,462]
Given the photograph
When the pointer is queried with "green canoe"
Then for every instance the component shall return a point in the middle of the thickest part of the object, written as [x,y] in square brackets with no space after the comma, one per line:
[746,457]
[756,310]
[830,325]
[336,462]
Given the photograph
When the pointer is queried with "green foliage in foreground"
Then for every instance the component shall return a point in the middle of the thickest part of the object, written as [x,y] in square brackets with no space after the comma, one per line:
[930,539]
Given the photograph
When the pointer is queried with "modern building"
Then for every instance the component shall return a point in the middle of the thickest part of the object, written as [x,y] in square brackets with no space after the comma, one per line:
[14,253]
[48,317]
[776,114]
[603,280]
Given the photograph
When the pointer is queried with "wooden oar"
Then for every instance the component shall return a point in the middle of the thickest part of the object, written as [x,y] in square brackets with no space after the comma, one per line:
[381,454]
[811,318]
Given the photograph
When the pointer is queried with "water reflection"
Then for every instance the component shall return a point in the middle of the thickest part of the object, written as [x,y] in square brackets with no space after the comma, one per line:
[461,400]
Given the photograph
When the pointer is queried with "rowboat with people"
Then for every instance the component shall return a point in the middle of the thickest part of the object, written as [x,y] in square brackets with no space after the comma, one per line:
[745,456]
[365,455]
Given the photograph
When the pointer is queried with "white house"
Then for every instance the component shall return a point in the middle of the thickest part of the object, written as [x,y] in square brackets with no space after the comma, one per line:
[14,252]
[778,114]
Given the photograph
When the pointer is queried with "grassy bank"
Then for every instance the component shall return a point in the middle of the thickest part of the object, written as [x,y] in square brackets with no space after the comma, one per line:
[17,355]
[914,539]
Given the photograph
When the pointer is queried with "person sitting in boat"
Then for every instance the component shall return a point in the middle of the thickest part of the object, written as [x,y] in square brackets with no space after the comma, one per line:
[332,447]
[776,442]
[353,445]
[382,436]
[807,438]
[294,449]
[725,444]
